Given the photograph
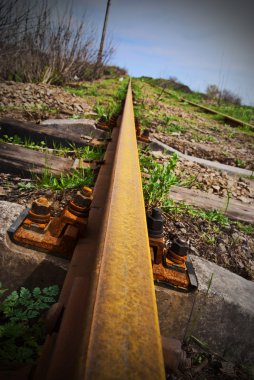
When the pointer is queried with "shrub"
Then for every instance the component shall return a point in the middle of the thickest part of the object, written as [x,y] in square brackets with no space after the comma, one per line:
[22,328]
[38,45]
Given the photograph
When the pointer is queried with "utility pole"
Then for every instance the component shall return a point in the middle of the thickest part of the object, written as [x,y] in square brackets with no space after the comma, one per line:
[100,52]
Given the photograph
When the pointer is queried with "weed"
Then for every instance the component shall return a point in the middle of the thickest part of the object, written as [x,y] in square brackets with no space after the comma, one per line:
[76,179]
[227,201]
[27,143]
[101,111]
[11,139]
[75,117]
[208,238]
[248,229]
[175,128]
[25,185]
[240,163]
[160,178]
[210,215]
[189,181]
[22,331]
[203,137]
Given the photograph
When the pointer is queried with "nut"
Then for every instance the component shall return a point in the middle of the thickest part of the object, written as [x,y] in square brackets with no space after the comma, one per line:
[180,247]
[41,206]
[155,222]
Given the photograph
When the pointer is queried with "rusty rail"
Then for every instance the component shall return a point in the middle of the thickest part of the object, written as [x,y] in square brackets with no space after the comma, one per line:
[105,325]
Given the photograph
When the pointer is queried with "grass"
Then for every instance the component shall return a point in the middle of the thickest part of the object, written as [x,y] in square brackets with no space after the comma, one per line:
[200,137]
[159,179]
[84,152]
[240,163]
[174,128]
[30,107]
[243,113]
[78,178]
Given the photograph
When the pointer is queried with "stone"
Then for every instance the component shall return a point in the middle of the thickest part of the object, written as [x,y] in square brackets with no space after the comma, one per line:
[220,313]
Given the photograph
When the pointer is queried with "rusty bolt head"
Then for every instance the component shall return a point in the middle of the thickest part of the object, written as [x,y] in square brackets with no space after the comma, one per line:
[82,201]
[83,198]
[86,191]
[146,133]
[41,206]
[180,247]
[155,222]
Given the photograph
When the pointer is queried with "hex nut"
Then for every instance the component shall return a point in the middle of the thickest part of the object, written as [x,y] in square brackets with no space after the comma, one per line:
[180,247]
[41,206]
[155,222]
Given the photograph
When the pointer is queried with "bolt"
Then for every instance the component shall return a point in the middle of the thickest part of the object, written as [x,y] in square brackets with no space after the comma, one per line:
[84,197]
[40,211]
[180,247]
[41,206]
[155,222]
[86,191]
[80,204]
[146,133]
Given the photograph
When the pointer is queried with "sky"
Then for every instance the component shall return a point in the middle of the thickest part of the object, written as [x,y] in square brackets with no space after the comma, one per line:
[200,42]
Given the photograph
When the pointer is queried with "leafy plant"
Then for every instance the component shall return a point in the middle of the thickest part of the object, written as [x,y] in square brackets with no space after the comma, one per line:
[159,180]
[240,163]
[25,185]
[22,329]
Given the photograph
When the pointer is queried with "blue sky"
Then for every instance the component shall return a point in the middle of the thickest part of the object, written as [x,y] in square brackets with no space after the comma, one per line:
[199,42]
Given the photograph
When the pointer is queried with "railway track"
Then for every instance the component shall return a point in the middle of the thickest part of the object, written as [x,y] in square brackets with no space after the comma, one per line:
[105,323]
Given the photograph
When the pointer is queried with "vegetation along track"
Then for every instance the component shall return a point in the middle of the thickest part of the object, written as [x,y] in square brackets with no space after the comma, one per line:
[115,219]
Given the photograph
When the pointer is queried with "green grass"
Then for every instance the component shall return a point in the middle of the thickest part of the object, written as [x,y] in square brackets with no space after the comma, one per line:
[160,178]
[78,178]
[182,208]
[243,113]
[84,152]
[201,137]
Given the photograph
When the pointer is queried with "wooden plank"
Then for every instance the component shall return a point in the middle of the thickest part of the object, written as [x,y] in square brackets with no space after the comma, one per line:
[19,160]
[64,134]
[236,209]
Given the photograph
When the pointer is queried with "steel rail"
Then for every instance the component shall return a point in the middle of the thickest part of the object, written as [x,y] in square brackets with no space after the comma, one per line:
[234,122]
[105,325]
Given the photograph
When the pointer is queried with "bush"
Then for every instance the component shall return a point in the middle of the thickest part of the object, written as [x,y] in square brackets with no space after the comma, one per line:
[38,46]
[226,96]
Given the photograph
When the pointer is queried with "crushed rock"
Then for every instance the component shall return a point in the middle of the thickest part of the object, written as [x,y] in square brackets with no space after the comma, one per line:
[35,102]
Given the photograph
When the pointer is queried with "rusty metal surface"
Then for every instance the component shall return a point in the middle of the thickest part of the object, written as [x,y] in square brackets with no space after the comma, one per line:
[109,327]
[125,339]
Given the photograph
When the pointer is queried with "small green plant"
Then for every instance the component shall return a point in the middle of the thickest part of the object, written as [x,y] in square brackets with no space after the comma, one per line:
[160,178]
[22,329]
[208,238]
[100,110]
[182,208]
[175,128]
[25,185]
[248,229]
[82,177]
[240,163]
[12,139]
[227,201]
[86,152]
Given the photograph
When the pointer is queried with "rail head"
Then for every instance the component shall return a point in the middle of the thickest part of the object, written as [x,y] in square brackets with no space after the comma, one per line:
[125,338]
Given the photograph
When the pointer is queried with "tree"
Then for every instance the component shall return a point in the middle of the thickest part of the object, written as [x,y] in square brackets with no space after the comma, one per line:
[212,92]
